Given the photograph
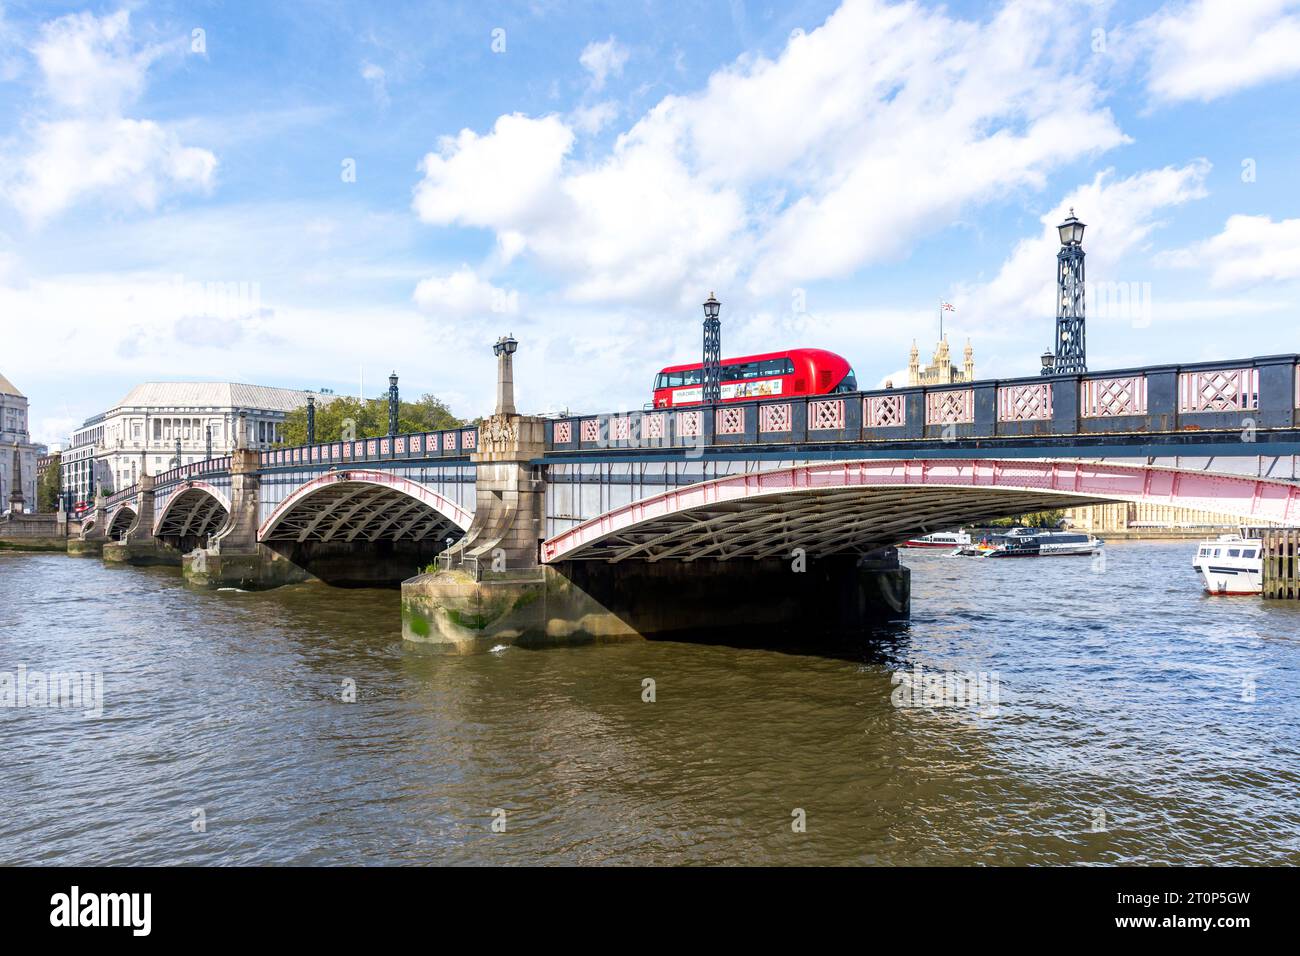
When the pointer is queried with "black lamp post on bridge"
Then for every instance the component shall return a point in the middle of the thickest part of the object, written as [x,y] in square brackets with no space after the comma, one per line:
[311,420]
[1071,356]
[712,392]
[393,404]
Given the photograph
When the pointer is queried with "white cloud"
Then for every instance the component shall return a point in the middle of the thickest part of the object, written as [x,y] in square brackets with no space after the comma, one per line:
[592,119]
[378,80]
[1250,250]
[464,293]
[89,63]
[132,160]
[603,60]
[1205,49]
[506,177]
[863,136]
[91,70]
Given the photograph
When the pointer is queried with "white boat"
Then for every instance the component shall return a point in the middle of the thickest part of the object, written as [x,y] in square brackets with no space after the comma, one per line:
[1204,548]
[1231,565]
[1035,543]
[1032,543]
[941,539]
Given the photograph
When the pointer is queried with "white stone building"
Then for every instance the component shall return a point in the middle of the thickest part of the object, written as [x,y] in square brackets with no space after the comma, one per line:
[140,433]
[15,436]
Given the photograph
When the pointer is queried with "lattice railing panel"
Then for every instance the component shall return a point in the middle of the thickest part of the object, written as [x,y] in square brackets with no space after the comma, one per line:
[730,420]
[690,424]
[1025,403]
[563,432]
[775,418]
[825,415]
[1219,390]
[886,411]
[950,408]
[1113,397]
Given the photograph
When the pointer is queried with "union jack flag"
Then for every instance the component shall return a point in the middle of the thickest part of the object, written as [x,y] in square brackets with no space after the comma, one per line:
[947,307]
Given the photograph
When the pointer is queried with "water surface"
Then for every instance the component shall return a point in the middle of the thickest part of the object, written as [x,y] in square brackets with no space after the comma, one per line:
[1126,692]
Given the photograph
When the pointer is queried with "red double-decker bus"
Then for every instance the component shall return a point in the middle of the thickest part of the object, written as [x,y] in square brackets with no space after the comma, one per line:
[794,372]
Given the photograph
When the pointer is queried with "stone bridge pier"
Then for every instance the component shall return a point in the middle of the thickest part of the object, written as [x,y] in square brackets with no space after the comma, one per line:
[94,530]
[234,557]
[138,545]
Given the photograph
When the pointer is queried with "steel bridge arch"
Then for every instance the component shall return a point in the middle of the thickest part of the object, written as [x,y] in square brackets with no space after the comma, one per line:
[351,503]
[857,506]
[166,523]
[111,522]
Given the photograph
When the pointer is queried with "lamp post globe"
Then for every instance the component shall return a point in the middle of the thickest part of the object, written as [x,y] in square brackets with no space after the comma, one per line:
[1071,231]
[711,307]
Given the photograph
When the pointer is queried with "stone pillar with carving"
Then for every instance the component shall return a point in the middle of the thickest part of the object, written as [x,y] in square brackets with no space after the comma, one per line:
[239,535]
[510,503]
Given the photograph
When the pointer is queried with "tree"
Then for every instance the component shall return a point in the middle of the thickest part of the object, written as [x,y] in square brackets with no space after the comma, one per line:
[51,484]
[369,418]
[1035,519]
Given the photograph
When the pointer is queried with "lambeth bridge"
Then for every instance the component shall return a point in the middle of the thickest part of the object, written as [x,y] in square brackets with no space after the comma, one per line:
[604,525]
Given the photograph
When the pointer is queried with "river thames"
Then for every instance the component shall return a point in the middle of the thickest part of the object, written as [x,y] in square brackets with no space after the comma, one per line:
[1137,722]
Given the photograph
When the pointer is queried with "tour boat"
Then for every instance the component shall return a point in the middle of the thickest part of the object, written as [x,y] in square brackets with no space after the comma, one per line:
[1205,547]
[941,539]
[1231,565]
[1035,543]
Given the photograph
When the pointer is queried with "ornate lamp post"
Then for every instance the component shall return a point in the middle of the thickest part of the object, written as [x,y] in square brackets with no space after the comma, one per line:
[393,404]
[1048,360]
[712,351]
[311,420]
[504,350]
[207,442]
[1071,351]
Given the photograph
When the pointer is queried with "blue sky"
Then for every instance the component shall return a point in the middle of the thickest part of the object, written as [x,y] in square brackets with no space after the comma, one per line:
[396,184]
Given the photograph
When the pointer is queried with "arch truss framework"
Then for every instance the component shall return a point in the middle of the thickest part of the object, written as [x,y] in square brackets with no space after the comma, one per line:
[364,506]
[195,508]
[122,520]
[859,506]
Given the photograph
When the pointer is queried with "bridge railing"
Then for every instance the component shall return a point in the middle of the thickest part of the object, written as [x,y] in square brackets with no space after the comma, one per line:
[448,443]
[126,494]
[208,466]
[1246,394]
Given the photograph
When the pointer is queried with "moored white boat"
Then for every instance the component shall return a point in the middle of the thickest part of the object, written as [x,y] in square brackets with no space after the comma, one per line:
[1232,565]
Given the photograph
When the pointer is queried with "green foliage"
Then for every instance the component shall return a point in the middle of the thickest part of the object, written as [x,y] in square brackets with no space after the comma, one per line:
[1035,519]
[51,483]
[429,414]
